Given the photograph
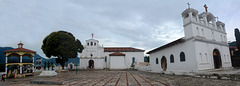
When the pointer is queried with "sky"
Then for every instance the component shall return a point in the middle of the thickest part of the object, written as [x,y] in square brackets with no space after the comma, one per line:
[143,24]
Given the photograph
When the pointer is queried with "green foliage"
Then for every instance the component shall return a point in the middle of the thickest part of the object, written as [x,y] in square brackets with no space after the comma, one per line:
[237,36]
[146,58]
[2,67]
[61,44]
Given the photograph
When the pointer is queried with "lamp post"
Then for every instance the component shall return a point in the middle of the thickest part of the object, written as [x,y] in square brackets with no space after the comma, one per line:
[76,67]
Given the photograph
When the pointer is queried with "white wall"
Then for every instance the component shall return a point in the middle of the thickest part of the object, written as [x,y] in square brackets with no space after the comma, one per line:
[139,57]
[117,62]
[186,66]
[98,63]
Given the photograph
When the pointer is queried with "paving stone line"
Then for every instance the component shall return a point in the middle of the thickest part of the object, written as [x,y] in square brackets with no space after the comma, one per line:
[110,79]
[119,79]
[135,79]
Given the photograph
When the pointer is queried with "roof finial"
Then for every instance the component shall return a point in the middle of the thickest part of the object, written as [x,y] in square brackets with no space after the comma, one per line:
[188,5]
[205,6]
[92,35]
[217,18]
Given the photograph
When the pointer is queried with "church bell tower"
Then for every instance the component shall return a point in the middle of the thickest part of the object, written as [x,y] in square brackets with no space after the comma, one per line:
[203,26]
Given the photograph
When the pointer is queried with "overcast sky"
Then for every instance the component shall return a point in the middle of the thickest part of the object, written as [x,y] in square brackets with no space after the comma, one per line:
[144,24]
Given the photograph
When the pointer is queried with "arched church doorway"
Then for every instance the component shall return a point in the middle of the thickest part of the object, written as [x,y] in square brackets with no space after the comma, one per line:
[217,59]
[71,66]
[91,64]
[164,63]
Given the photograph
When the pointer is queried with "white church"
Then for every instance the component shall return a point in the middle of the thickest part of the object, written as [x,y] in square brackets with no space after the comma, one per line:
[95,56]
[204,46]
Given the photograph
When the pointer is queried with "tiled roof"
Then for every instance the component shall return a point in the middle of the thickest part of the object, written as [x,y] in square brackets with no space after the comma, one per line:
[181,40]
[116,54]
[19,50]
[122,49]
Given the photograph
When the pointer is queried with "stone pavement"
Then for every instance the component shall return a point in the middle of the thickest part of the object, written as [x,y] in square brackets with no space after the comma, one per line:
[117,78]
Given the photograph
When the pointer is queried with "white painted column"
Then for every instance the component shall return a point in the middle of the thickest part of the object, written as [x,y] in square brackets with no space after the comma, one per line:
[197,19]
[190,15]
[21,59]
[20,65]
[6,64]
[20,69]
[33,64]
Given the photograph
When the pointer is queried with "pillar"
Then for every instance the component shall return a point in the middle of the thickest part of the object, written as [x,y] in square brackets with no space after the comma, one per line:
[197,18]
[20,58]
[33,64]
[190,15]
[20,69]
[6,65]
[214,23]
[205,19]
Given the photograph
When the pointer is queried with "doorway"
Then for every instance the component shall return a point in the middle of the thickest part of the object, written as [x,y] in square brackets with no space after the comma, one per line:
[217,59]
[91,64]
[164,63]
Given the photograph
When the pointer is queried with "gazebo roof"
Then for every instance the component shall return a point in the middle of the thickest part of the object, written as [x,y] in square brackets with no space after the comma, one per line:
[19,49]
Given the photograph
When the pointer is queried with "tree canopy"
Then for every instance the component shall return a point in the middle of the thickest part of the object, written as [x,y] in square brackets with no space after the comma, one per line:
[62,45]
[237,36]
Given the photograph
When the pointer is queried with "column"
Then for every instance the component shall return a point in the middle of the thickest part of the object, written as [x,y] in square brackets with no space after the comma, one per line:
[190,15]
[20,58]
[205,19]
[214,23]
[6,64]
[21,64]
[20,68]
[33,64]
[197,19]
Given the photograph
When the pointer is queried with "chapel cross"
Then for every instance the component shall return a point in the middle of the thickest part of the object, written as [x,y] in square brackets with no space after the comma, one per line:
[188,5]
[205,6]
[92,35]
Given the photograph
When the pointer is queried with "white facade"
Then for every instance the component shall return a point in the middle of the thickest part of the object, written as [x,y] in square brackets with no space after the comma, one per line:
[99,57]
[204,46]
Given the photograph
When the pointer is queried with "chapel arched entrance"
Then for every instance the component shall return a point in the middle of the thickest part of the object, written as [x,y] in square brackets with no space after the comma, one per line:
[217,59]
[164,63]
[91,64]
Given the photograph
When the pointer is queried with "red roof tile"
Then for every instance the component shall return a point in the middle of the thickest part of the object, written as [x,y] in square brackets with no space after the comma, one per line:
[122,49]
[116,54]
[19,50]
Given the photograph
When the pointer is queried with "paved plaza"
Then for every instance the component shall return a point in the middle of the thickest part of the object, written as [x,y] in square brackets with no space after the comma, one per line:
[119,78]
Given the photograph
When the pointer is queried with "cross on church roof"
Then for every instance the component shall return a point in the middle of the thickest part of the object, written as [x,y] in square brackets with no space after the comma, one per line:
[205,6]
[92,35]
[188,5]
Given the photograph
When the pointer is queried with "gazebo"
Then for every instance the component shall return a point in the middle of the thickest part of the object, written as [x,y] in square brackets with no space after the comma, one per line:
[19,62]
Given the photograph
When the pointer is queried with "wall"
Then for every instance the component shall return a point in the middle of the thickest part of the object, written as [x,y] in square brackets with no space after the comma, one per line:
[178,67]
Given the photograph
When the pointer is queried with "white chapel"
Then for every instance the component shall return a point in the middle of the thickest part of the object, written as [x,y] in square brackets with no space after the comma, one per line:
[204,46]
[95,56]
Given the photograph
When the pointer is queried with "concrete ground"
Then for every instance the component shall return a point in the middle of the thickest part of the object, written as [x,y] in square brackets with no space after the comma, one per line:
[119,78]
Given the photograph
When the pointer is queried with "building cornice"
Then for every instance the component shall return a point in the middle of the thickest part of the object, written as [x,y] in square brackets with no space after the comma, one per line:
[205,27]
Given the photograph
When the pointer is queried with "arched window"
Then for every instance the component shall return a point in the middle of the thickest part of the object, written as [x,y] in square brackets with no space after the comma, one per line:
[182,57]
[91,43]
[156,60]
[133,60]
[94,43]
[87,44]
[171,59]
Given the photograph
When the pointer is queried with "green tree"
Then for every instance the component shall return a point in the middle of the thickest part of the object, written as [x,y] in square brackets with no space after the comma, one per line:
[62,45]
[237,36]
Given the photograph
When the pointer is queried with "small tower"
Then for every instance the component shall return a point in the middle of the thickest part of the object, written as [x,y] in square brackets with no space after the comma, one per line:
[189,16]
[203,26]
[20,45]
